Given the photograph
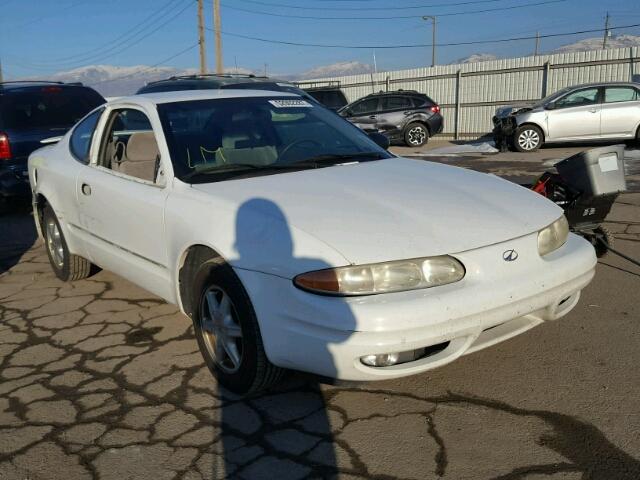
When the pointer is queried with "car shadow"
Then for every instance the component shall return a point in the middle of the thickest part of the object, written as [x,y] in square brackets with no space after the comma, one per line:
[18,233]
[284,433]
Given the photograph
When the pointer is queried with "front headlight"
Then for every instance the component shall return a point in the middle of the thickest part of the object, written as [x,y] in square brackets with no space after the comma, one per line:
[382,277]
[553,237]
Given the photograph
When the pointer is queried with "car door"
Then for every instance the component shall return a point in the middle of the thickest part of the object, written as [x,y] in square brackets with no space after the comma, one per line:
[620,112]
[121,196]
[364,114]
[393,114]
[575,116]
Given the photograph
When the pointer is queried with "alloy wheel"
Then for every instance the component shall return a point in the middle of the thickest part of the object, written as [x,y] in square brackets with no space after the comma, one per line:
[417,135]
[529,139]
[220,329]
[54,243]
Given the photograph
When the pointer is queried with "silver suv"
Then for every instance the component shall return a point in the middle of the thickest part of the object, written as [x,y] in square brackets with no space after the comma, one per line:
[597,111]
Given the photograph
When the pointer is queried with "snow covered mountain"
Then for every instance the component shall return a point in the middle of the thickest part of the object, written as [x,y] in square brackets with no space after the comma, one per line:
[476,57]
[595,43]
[111,80]
[336,70]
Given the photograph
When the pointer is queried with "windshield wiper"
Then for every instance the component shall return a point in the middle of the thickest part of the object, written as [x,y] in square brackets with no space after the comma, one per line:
[242,168]
[331,158]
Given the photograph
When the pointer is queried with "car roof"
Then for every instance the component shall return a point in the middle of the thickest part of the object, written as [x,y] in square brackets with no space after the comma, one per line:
[216,79]
[158,98]
[17,85]
[604,84]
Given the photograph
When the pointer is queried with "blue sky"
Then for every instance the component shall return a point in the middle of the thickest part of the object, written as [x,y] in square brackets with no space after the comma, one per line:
[45,36]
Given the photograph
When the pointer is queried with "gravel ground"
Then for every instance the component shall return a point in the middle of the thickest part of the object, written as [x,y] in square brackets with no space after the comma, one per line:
[100,379]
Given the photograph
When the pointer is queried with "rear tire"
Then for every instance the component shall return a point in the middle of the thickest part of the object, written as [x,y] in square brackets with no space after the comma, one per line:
[66,266]
[416,134]
[528,138]
[228,333]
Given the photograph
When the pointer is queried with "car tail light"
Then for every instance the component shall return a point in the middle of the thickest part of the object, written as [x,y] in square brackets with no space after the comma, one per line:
[435,109]
[51,90]
[5,147]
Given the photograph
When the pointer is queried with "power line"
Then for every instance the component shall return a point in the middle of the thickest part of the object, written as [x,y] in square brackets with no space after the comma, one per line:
[298,7]
[125,44]
[451,14]
[56,13]
[422,45]
[127,33]
[151,67]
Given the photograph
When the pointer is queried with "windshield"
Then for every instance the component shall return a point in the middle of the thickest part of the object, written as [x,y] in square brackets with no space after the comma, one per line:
[258,135]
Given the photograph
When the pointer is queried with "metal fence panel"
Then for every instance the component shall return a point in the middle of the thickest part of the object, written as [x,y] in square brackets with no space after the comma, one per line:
[487,85]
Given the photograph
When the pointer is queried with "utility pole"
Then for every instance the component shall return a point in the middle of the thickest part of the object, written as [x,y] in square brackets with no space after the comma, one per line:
[433,38]
[1,77]
[217,26]
[203,57]
[535,54]
[606,31]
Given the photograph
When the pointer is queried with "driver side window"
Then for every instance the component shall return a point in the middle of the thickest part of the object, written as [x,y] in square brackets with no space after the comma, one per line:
[129,145]
[579,98]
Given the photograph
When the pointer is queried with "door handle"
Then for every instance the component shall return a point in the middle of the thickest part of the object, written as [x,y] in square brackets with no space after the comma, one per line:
[86,189]
[593,110]
[373,117]
[407,113]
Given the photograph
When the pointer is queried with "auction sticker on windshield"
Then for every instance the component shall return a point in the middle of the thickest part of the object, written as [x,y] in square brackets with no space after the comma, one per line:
[290,103]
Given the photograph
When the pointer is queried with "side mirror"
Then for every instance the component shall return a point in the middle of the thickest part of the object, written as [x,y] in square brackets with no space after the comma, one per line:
[380,139]
[550,106]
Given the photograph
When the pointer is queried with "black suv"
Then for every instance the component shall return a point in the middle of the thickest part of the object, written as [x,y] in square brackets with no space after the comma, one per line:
[213,81]
[403,116]
[32,111]
[327,93]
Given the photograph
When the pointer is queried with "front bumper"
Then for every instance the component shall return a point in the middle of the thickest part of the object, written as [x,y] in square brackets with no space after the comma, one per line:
[495,301]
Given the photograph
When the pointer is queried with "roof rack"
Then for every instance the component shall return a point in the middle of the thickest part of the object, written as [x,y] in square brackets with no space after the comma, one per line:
[196,76]
[33,81]
[392,92]
[318,84]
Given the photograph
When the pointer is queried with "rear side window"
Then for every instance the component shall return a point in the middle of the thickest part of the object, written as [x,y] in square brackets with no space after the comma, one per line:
[396,103]
[80,142]
[48,107]
[620,94]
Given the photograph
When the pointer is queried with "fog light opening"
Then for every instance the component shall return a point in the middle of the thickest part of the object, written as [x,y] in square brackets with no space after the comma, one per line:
[397,358]
[381,360]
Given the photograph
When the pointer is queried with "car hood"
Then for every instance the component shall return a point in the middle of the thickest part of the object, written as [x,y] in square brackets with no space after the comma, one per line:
[395,208]
[506,110]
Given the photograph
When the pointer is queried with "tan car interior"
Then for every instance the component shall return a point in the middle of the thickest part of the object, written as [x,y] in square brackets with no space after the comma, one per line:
[133,153]
[138,158]
[241,141]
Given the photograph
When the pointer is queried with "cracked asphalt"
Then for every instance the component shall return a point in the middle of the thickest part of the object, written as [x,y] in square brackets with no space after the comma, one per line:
[100,379]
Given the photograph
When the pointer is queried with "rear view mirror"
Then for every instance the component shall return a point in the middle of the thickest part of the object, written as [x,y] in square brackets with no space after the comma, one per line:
[380,139]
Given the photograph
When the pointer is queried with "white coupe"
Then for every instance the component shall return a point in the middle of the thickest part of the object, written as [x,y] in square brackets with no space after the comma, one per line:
[295,241]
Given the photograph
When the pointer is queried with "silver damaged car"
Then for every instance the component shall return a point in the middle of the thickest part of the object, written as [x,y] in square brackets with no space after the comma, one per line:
[598,111]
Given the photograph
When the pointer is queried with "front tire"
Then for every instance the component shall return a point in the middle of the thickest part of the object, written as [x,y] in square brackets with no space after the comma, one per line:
[228,333]
[416,134]
[66,266]
[528,138]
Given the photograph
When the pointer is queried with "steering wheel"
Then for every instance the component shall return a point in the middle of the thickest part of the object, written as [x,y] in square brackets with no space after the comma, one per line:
[296,143]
